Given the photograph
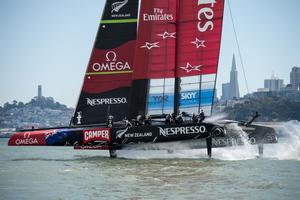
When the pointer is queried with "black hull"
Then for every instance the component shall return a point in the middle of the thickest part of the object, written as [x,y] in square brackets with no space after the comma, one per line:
[191,135]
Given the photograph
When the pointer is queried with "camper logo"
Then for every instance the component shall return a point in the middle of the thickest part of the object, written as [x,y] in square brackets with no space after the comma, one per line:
[97,134]
[111,65]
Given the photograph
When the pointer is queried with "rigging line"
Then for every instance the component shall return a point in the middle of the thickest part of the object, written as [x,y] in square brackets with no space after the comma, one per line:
[237,42]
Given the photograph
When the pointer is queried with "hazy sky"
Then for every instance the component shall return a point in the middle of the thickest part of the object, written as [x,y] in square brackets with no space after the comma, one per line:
[49,42]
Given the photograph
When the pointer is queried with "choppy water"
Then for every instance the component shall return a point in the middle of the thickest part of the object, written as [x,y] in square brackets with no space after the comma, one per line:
[233,173]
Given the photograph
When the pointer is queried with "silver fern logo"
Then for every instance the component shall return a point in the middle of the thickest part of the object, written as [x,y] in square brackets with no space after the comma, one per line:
[120,133]
[118,5]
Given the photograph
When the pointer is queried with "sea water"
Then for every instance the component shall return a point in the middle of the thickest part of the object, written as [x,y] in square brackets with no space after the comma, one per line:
[233,173]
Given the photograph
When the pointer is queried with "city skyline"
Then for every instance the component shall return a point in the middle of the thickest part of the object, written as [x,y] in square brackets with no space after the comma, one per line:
[52,43]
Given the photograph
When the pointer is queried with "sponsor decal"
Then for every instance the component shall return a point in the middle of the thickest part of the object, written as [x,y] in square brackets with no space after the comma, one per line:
[138,135]
[188,68]
[199,43]
[124,132]
[188,95]
[106,101]
[149,45]
[167,35]
[98,134]
[161,98]
[27,139]
[79,117]
[158,15]
[232,141]
[187,130]
[111,64]
[120,133]
[116,7]
[31,138]
[205,15]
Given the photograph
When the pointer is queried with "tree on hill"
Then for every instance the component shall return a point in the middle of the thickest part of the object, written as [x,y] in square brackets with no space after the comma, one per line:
[270,109]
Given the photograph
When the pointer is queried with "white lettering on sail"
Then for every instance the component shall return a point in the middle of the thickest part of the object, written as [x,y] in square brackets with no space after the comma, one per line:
[188,95]
[106,101]
[212,2]
[158,15]
[111,64]
[164,98]
[205,14]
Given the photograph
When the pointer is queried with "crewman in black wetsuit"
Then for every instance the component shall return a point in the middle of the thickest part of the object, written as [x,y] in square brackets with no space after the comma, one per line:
[178,119]
[202,116]
[127,122]
[110,122]
[168,119]
[148,120]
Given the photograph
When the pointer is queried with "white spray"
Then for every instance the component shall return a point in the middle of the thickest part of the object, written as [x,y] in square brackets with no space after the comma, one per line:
[287,148]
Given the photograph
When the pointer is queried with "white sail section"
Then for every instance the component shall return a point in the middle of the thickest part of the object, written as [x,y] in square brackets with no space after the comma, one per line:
[161,96]
[196,93]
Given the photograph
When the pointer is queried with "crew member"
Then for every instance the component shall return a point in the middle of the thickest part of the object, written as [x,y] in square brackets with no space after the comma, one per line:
[148,120]
[202,116]
[168,119]
[179,119]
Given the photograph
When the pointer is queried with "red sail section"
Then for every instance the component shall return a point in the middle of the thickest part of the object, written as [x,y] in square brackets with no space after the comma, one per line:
[199,35]
[155,48]
[109,69]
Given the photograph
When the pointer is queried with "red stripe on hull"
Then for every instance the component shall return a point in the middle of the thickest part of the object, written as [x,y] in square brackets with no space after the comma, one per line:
[30,138]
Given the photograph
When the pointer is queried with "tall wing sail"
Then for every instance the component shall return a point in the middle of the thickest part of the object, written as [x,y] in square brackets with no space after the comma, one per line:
[108,78]
[154,63]
[198,46]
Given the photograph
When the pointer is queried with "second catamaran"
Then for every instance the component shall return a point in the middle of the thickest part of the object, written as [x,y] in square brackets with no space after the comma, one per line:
[146,77]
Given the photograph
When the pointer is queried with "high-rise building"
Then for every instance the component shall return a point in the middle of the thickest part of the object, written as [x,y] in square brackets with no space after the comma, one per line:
[273,84]
[295,78]
[234,86]
[39,91]
[231,90]
[225,91]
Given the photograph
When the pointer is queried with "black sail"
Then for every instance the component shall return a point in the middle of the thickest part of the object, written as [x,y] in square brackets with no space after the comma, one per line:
[107,82]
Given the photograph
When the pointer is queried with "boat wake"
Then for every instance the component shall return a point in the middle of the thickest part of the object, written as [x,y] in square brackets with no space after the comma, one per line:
[287,148]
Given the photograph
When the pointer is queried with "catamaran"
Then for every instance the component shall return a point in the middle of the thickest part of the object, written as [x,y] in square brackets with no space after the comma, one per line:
[150,79]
